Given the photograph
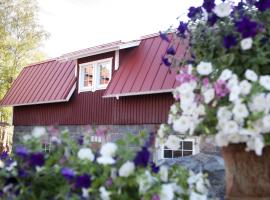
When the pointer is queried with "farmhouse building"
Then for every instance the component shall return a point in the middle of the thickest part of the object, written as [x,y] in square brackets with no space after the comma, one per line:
[115,88]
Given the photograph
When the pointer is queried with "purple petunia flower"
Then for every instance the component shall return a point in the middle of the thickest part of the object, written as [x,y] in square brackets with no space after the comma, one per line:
[22,152]
[142,157]
[171,51]
[246,27]
[22,173]
[4,155]
[109,182]
[68,173]
[37,159]
[155,197]
[229,41]
[263,5]
[166,61]
[164,36]
[193,11]
[182,28]
[80,140]
[221,88]
[83,181]
[208,5]
[212,19]
[154,167]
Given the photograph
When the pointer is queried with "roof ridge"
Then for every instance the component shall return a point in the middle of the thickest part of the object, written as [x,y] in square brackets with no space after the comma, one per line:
[41,62]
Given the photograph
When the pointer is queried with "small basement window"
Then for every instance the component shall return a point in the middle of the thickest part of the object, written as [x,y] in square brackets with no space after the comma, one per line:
[95,75]
[186,149]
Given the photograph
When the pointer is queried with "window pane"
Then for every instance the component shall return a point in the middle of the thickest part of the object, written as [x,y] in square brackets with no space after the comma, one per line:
[187,145]
[167,153]
[187,153]
[177,154]
[104,73]
[88,76]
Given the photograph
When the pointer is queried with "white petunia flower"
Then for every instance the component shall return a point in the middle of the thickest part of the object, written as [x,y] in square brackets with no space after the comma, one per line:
[145,182]
[104,194]
[170,119]
[167,192]
[38,132]
[11,166]
[234,93]
[222,10]
[259,103]
[231,127]
[240,111]
[251,75]
[233,82]
[105,160]
[174,109]
[266,122]
[85,193]
[205,68]
[221,140]
[26,137]
[245,87]
[182,124]
[108,149]
[256,143]
[185,88]
[163,171]
[265,81]
[127,169]
[173,142]
[196,196]
[225,75]
[160,132]
[209,95]
[224,113]
[86,154]
[246,43]
[2,164]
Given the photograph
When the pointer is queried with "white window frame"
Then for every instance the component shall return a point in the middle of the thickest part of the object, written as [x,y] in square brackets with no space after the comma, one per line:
[161,149]
[96,77]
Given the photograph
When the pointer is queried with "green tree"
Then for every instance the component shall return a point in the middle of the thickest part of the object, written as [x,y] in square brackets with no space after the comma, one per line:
[20,39]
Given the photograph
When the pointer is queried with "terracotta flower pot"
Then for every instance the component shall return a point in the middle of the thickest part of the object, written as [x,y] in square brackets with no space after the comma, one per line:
[247,175]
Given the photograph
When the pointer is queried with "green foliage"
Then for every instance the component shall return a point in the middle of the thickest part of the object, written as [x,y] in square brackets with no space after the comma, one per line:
[20,39]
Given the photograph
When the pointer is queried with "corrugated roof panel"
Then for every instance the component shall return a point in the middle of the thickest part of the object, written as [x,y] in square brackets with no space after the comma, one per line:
[143,72]
[46,82]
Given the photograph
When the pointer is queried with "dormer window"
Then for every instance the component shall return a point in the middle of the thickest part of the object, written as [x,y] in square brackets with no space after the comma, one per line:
[95,75]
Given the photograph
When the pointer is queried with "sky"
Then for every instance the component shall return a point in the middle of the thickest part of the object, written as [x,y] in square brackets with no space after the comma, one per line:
[79,24]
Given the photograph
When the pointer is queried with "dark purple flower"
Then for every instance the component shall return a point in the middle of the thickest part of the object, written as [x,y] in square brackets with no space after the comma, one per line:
[154,167]
[68,173]
[251,2]
[22,173]
[246,27]
[21,152]
[83,181]
[166,61]
[193,11]
[229,41]
[171,51]
[182,28]
[80,140]
[208,5]
[142,157]
[4,155]
[263,5]
[164,36]
[221,88]
[37,159]
[212,19]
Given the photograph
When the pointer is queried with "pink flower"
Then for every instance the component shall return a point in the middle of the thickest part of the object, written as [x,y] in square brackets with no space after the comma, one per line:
[205,82]
[184,78]
[221,88]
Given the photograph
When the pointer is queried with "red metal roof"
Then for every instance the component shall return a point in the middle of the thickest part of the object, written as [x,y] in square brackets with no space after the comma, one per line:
[141,70]
[46,82]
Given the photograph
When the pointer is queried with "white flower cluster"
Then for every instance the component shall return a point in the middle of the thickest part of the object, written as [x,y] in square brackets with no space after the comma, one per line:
[198,186]
[107,152]
[247,117]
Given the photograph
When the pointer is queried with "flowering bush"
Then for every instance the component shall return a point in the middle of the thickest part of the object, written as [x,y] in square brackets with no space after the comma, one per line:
[73,171]
[237,111]
[224,82]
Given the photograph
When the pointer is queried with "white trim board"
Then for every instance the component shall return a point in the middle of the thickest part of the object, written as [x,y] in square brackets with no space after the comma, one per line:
[138,93]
